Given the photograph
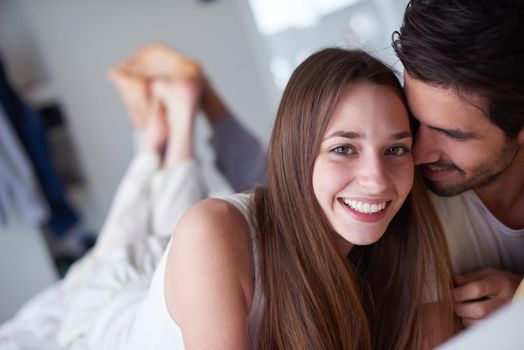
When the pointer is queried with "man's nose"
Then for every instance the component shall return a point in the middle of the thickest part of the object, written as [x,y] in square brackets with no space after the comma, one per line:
[425,148]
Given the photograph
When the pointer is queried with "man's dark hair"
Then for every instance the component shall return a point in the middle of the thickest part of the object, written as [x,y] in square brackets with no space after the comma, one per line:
[474,46]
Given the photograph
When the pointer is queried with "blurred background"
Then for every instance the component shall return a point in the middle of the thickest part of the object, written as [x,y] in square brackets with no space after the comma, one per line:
[55,54]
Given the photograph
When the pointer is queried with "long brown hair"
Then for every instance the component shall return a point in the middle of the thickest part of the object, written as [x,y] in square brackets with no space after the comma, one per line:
[316,298]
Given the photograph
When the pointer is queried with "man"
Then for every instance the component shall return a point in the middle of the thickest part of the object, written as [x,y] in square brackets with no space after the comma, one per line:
[464,82]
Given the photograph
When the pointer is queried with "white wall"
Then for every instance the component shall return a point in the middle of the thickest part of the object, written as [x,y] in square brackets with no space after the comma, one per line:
[80,40]
[26,266]
[17,45]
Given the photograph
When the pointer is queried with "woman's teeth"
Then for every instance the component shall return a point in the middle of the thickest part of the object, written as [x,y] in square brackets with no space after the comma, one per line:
[363,207]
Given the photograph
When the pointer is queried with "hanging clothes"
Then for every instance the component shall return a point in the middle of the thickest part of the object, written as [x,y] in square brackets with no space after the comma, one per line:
[29,128]
[18,185]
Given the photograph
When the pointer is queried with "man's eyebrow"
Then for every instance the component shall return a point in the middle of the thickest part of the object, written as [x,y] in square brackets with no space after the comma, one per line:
[455,133]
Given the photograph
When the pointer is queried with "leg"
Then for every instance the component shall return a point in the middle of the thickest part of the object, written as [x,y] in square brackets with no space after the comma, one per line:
[239,155]
[130,213]
[178,185]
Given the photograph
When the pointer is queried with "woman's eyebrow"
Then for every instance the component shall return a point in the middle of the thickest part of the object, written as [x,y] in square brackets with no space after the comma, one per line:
[354,135]
[401,135]
[342,133]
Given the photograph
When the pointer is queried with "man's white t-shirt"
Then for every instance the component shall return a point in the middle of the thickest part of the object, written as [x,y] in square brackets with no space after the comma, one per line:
[476,239]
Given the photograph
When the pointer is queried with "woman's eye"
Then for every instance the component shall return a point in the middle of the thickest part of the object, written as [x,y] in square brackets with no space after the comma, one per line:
[343,150]
[398,150]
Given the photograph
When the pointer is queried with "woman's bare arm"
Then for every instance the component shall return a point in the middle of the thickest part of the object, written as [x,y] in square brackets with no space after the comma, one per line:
[208,280]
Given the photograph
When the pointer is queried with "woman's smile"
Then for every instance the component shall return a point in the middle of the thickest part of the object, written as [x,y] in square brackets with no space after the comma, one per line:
[369,210]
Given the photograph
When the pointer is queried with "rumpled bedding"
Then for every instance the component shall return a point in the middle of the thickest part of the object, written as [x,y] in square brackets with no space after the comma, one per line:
[36,324]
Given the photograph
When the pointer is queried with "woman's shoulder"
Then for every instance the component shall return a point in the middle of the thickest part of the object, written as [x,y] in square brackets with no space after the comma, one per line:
[214,219]
[214,225]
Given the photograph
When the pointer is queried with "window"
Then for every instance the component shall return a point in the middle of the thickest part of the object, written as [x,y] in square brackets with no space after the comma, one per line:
[293,29]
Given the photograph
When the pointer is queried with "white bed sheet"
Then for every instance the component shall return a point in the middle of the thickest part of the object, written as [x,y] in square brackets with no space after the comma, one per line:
[36,323]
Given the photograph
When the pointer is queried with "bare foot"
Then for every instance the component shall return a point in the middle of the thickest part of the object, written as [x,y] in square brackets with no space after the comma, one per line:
[133,76]
[159,61]
[134,94]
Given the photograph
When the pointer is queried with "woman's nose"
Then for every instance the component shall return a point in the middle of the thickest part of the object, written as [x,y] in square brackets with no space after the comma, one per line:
[373,174]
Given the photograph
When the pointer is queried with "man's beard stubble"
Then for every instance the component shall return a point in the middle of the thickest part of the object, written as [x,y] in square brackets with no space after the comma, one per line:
[483,175]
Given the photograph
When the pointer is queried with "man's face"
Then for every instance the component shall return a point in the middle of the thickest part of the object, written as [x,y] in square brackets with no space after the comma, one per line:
[456,145]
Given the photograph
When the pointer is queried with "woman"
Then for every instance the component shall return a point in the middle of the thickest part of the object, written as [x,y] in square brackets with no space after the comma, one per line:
[336,252]
[163,180]
[98,301]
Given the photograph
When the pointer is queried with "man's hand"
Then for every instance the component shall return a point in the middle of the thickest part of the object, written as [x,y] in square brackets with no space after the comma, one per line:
[481,292]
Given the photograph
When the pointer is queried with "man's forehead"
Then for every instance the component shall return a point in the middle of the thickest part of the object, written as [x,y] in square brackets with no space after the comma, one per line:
[450,93]
[444,105]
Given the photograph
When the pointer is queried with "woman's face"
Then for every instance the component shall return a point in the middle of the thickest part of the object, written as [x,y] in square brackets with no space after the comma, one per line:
[364,169]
